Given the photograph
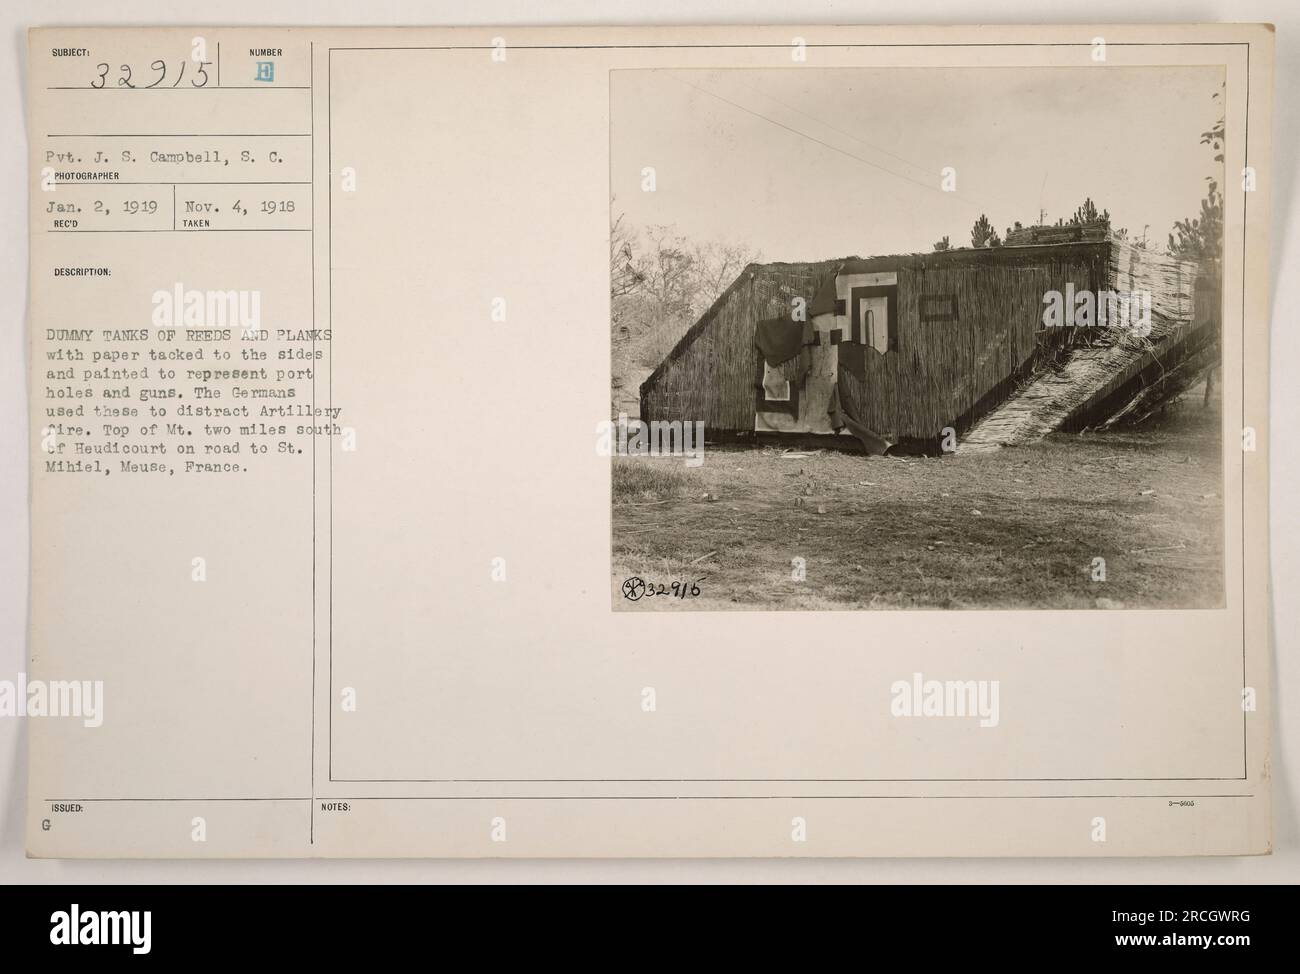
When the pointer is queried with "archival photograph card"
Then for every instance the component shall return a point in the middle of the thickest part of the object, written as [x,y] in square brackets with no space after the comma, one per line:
[649,442]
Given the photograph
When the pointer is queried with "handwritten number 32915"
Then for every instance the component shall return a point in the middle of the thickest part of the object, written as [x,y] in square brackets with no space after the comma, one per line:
[125,76]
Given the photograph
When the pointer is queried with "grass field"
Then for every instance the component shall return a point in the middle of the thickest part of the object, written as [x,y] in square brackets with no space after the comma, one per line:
[1019,527]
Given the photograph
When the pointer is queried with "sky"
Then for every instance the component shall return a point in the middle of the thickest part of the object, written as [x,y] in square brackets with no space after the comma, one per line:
[807,164]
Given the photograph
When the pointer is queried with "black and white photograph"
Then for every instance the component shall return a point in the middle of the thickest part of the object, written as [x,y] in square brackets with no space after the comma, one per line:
[914,338]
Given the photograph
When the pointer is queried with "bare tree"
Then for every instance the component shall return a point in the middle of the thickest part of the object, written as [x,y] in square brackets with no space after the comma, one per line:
[624,278]
[660,283]
[667,268]
[716,265]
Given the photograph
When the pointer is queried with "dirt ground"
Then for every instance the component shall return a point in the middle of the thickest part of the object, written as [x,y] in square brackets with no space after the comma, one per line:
[1015,528]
